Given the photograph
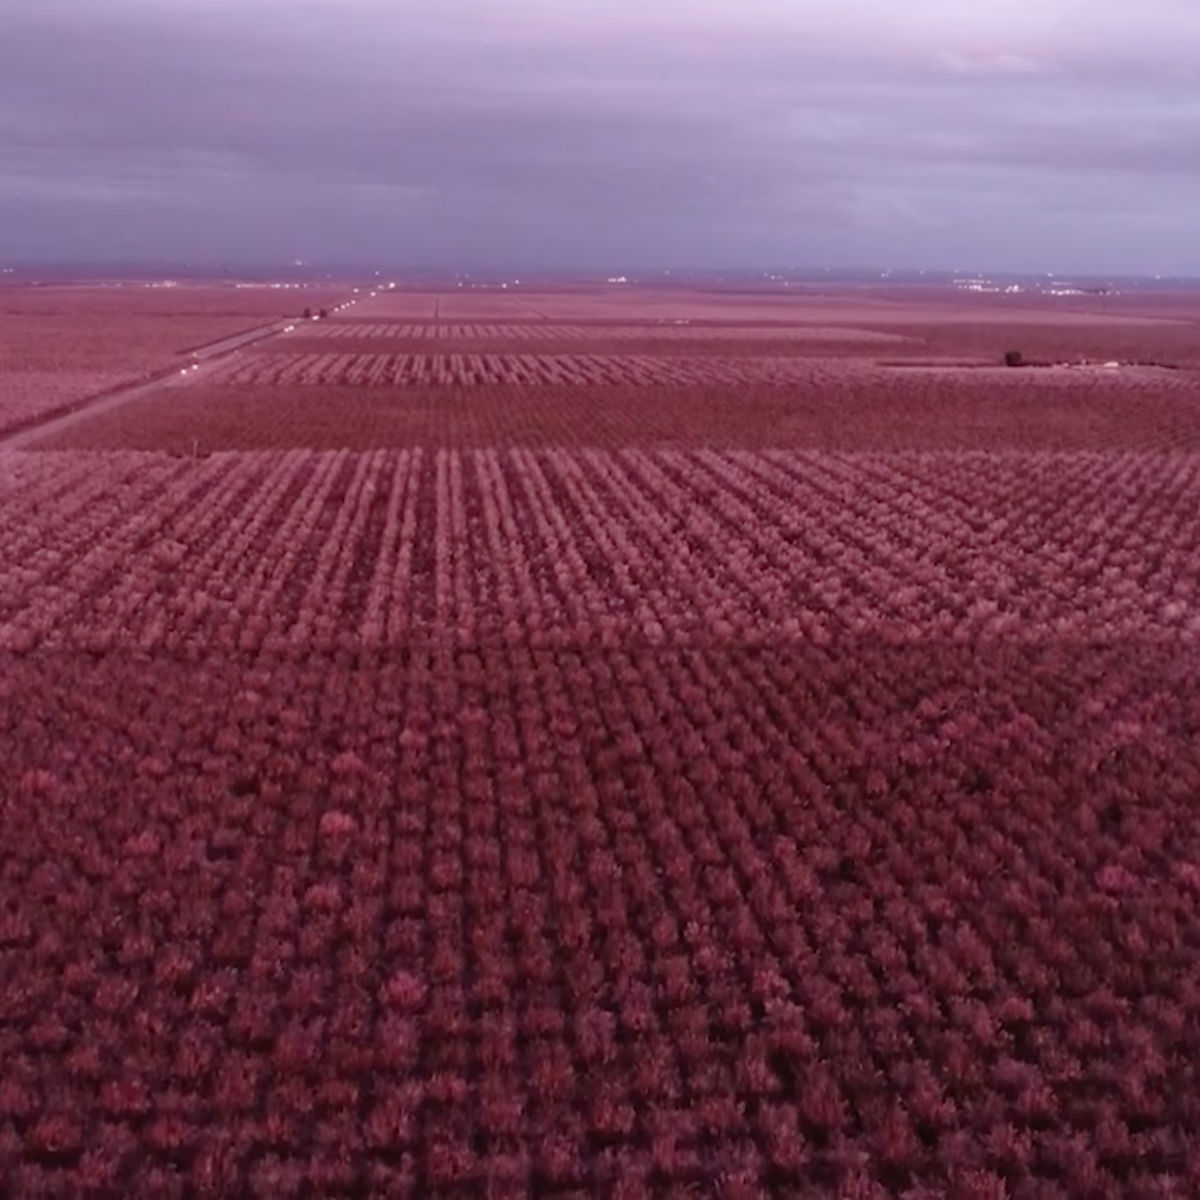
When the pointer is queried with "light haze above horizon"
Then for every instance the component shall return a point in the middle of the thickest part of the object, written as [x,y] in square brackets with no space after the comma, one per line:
[1023,135]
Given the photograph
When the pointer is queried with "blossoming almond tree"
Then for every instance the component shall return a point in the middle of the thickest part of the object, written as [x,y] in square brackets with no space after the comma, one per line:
[571,796]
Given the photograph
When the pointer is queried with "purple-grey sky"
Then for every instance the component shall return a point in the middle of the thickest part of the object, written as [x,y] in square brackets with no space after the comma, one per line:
[1025,134]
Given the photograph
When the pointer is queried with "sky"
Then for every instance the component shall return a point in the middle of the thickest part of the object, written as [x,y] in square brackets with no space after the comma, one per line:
[1024,135]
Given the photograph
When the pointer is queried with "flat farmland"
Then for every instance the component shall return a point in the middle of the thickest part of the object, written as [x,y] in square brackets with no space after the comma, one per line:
[571,544]
[829,404]
[565,371]
[470,782]
[59,346]
[624,342]
[668,332]
[195,299]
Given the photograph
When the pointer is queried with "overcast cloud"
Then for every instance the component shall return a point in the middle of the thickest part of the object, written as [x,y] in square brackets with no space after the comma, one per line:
[1029,134]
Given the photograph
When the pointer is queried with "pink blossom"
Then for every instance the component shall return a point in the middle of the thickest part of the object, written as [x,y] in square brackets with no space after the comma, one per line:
[337,824]
[1115,878]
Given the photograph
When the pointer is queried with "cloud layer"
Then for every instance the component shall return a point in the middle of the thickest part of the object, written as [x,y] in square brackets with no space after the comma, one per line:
[1007,133]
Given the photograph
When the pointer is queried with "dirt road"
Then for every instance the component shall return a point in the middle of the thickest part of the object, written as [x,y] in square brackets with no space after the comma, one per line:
[193,365]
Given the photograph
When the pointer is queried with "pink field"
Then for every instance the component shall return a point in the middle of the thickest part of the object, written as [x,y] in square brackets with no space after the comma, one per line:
[292,551]
[933,321]
[217,299]
[830,305]
[813,403]
[52,361]
[59,346]
[528,370]
[669,331]
[624,790]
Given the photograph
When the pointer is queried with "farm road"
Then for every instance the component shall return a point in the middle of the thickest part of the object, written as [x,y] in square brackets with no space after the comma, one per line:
[198,361]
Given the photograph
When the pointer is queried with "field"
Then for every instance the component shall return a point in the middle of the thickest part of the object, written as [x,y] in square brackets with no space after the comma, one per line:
[835,405]
[62,345]
[685,331]
[699,768]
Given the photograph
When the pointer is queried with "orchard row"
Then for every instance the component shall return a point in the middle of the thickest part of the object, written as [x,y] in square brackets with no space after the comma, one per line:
[517,919]
[287,550]
[649,331]
[470,370]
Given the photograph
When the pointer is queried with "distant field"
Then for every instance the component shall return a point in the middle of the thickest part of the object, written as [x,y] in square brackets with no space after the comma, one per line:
[828,404]
[665,331]
[565,371]
[755,758]
[62,345]
[845,306]
[217,299]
